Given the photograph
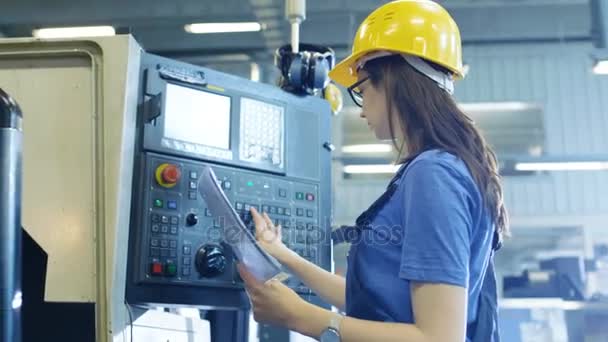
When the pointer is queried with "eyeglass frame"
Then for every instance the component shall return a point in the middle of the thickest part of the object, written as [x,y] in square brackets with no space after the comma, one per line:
[354,94]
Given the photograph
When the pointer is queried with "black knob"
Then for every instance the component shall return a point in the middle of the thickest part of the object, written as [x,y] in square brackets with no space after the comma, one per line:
[191,220]
[210,261]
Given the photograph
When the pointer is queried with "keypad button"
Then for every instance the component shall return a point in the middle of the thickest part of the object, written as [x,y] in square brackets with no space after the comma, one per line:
[310,213]
[158,203]
[164,229]
[164,243]
[154,242]
[247,207]
[286,223]
[300,225]
[173,230]
[171,205]
[193,185]
[192,195]
[265,208]
[154,251]
[164,219]
[173,253]
[239,206]
[281,211]
[287,212]
[299,196]
[173,244]
[309,226]
[170,269]
[227,185]
[156,268]
[155,228]
[313,253]
[186,272]
[187,260]
[282,193]
[300,238]
[187,250]
[193,175]
[208,212]
[310,197]
[164,252]
[273,210]
[155,218]
[174,220]
[299,212]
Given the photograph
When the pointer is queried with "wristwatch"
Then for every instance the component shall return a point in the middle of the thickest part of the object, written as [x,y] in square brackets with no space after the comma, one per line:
[332,332]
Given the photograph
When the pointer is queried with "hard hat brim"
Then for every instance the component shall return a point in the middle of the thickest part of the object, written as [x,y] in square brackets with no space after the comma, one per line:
[344,73]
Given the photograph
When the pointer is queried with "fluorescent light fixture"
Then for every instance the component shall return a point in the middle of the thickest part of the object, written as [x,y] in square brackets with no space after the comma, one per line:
[74,32]
[371,168]
[201,28]
[497,106]
[562,166]
[601,67]
[368,148]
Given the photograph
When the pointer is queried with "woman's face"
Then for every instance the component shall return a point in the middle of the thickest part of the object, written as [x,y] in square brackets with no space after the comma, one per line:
[375,108]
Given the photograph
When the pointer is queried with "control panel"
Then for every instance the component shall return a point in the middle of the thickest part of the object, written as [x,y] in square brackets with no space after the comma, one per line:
[268,151]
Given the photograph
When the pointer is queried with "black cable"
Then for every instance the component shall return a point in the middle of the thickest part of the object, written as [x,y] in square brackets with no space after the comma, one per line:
[130,319]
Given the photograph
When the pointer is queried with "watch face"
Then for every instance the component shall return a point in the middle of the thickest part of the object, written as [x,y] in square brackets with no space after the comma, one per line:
[330,335]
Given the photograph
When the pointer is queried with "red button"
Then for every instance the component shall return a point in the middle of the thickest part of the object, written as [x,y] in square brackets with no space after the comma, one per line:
[157,268]
[310,197]
[171,174]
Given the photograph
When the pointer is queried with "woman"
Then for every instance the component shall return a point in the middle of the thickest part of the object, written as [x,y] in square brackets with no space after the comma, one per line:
[421,267]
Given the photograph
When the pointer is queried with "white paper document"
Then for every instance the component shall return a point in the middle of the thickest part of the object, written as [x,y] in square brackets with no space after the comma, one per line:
[234,232]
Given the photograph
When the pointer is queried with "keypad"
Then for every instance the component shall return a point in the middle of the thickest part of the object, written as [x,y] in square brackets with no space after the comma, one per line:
[261,132]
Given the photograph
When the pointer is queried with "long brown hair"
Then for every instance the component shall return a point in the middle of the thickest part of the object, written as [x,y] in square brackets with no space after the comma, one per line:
[431,119]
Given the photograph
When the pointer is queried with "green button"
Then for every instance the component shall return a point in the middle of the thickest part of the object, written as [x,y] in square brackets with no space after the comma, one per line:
[250,183]
[158,203]
[299,195]
[171,269]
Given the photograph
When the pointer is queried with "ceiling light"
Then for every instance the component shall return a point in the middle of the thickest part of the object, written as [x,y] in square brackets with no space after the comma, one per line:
[497,106]
[370,168]
[562,166]
[601,67]
[202,28]
[367,148]
[74,32]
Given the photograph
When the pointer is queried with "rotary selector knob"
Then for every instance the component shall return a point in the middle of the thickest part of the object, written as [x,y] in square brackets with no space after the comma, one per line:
[210,261]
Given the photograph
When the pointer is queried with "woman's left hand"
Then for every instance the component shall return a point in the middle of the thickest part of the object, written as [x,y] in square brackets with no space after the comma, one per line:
[273,302]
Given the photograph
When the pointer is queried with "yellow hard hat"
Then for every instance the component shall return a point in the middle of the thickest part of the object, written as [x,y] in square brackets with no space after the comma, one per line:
[420,28]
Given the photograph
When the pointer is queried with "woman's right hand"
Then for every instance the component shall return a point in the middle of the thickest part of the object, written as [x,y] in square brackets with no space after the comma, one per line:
[269,237]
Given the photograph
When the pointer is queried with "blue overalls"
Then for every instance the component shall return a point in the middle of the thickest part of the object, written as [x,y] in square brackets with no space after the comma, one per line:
[380,267]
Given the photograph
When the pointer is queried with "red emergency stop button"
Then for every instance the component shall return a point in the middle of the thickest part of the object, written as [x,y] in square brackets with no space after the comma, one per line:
[167,175]
[156,268]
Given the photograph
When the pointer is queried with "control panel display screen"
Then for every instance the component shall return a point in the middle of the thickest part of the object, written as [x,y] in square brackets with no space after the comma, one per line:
[197,117]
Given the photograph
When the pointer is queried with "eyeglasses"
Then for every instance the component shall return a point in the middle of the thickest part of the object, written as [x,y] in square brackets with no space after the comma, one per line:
[355,93]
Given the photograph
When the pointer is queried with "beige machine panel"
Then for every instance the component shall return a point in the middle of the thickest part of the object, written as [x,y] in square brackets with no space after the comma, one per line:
[79,100]
[59,166]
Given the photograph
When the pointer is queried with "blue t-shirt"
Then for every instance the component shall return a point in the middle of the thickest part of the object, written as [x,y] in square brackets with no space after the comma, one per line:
[434,229]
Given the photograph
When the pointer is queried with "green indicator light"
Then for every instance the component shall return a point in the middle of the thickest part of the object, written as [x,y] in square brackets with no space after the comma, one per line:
[250,183]
[158,203]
